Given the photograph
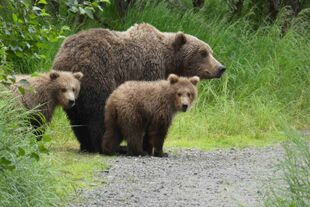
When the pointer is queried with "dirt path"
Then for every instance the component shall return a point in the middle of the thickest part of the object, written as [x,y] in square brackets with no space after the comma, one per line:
[187,178]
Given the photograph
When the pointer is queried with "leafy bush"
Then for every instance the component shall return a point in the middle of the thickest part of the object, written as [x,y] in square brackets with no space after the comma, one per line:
[25,29]
[5,66]
[86,8]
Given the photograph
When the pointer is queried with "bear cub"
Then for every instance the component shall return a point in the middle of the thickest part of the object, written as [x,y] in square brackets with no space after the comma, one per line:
[141,112]
[46,91]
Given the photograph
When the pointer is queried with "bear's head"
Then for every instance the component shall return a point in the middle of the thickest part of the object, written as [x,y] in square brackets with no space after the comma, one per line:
[65,87]
[195,57]
[184,91]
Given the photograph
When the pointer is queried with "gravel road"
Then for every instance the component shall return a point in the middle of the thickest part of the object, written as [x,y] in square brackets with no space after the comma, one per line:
[187,178]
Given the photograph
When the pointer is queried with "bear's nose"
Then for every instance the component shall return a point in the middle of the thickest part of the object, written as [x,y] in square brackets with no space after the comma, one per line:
[71,103]
[221,70]
[184,107]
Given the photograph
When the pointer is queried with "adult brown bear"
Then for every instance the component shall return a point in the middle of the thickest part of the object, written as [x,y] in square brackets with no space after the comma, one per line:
[109,58]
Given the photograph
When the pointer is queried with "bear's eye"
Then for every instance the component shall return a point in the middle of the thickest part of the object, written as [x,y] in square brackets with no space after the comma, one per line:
[204,53]
[73,89]
[63,90]
[179,94]
[188,94]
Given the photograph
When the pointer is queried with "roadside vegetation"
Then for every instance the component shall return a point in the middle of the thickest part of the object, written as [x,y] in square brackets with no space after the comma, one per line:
[264,93]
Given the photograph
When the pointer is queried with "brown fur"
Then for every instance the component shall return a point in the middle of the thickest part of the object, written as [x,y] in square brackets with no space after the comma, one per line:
[49,90]
[109,58]
[141,112]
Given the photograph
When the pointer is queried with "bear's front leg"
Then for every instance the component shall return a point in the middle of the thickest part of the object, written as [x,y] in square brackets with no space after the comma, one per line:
[147,145]
[160,154]
[158,139]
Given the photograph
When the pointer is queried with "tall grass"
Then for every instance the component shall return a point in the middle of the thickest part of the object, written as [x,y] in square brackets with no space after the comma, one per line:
[23,181]
[294,188]
[264,89]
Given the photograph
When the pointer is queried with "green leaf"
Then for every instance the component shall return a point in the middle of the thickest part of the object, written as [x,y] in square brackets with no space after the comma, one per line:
[35,8]
[5,161]
[21,151]
[19,54]
[65,28]
[7,164]
[35,156]
[74,9]
[100,8]
[46,138]
[42,2]
[15,18]
[32,16]
[105,1]
[21,90]
[82,11]
[94,4]
[60,37]
[44,14]
[42,148]
[35,74]
[89,13]
[10,167]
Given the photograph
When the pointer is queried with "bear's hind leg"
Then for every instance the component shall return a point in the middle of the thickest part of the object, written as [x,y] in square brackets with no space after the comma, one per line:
[135,143]
[96,129]
[111,142]
[79,127]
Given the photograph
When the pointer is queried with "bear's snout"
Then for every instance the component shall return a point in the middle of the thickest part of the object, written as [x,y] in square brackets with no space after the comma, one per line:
[71,103]
[184,107]
[221,71]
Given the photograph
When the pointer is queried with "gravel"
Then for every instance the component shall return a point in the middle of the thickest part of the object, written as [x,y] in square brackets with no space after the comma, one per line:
[187,178]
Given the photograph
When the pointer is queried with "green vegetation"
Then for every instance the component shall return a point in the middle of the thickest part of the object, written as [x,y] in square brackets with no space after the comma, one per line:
[24,181]
[294,188]
[29,176]
[264,92]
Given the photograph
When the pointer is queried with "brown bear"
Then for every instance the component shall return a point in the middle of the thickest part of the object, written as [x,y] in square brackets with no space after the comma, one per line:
[109,58]
[141,112]
[48,90]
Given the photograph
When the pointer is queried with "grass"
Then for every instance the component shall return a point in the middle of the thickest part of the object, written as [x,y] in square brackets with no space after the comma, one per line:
[76,170]
[24,181]
[55,178]
[293,189]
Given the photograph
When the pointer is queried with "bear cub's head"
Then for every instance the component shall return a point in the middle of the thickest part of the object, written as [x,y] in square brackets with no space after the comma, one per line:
[184,91]
[65,87]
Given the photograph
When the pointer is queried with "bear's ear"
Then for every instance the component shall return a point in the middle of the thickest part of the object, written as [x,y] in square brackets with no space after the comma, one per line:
[179,40]
[173,78]
[78,75]
[54,75]
[194,80]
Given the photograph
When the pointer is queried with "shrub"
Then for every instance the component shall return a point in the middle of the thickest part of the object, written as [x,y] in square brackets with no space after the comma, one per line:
[26,29]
